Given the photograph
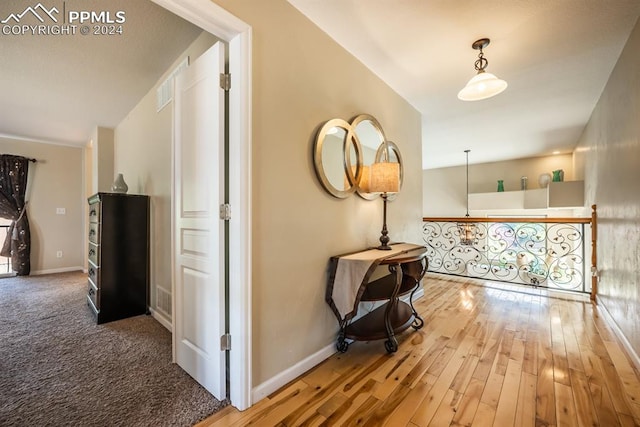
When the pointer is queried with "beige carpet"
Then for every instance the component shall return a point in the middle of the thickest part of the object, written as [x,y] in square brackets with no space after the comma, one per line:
[57,367]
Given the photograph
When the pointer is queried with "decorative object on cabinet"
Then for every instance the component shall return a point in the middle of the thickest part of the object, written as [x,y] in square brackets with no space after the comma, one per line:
[558,175]
[467,229]
[119,186]
[500,186]
[118,282]
[385,179]
[349,284]
[344,151]
[543,180]
[483,85]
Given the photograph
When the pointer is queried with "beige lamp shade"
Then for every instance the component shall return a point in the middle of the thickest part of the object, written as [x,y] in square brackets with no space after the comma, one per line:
[385,177]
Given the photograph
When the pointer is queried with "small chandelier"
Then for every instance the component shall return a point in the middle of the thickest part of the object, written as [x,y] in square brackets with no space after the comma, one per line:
[467,229]
[483,85]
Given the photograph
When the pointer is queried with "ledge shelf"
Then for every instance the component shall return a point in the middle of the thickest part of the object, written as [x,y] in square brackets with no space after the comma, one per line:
[567,194]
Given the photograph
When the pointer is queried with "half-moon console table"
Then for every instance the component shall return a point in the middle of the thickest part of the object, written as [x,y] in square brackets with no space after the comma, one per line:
[349,284]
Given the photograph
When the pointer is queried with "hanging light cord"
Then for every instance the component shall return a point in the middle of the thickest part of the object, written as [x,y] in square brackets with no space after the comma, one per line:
[467,151]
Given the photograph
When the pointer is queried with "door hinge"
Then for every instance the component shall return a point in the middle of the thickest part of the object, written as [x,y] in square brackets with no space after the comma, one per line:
[225,212]
[225,342]
[225,81]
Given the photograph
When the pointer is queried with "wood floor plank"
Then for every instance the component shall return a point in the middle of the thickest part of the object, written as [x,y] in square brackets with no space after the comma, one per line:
[545,393]
[363,412]
[349,407]
[626,373]
[408,406]
[565,407]
[492,390]
[430,403]
[447,409]
[526,407]
[388,406]
[484,416]
[468,404]
[585,409]
[614,385]
[425,362]
[603,405]
[530,355]
[508,402]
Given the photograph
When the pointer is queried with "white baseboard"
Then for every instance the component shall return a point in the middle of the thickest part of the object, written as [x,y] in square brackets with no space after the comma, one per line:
[266,388]
[56,270]
[164,321]
[616,329]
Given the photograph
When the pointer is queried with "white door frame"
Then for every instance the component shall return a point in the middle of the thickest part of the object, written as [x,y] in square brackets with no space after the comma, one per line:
[222,24]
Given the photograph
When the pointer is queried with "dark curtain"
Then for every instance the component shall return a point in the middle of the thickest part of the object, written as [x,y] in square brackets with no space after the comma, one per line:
[13,185]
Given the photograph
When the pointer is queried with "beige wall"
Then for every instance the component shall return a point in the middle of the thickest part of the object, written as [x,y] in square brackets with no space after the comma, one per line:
[143,156]
[302,78]
[55,181]
[102,146]
[609,149]
[445,188]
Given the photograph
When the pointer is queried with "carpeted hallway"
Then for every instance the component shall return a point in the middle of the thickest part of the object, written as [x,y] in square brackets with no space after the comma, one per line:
[57,367]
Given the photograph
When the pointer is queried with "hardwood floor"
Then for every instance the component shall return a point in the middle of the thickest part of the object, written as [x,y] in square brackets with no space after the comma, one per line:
[485,357]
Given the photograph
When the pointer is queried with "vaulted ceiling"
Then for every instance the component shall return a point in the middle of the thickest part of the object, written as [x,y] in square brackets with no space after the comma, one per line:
[556,56]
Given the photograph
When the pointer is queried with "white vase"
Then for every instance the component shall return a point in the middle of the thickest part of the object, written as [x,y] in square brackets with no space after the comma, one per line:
[119,186]
[544,180]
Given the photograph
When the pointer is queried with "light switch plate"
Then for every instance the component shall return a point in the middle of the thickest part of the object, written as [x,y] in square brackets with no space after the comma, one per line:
[61,211]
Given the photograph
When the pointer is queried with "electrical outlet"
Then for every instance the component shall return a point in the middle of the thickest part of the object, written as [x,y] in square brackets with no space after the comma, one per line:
[59,254]
[61,211]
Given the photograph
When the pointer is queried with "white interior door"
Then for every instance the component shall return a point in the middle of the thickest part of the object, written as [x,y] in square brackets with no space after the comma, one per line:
[198,232]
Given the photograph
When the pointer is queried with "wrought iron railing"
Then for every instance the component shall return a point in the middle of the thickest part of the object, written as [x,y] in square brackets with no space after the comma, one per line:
[546,252]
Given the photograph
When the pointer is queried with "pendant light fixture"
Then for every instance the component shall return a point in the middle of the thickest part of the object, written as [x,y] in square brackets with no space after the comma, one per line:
[483,85]
[467,229]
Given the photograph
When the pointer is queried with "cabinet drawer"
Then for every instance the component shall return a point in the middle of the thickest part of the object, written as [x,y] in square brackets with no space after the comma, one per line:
[94,274]
[94,232]
[94,254]
[94,212]
[93,294]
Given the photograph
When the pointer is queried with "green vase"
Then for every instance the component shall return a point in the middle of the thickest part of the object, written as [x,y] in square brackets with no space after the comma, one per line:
[500,186]
[558,175]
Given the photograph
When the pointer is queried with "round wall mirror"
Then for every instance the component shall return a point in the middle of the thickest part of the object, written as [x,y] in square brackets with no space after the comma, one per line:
[370,135]
[334,156]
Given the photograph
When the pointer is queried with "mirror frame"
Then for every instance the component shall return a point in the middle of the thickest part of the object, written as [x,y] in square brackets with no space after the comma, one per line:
[378,129]
[346,148]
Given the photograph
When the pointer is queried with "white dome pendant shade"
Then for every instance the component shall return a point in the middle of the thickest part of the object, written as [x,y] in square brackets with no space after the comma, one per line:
[483,85]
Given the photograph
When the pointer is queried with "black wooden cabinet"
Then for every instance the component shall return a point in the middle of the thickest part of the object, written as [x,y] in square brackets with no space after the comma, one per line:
[118,284]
